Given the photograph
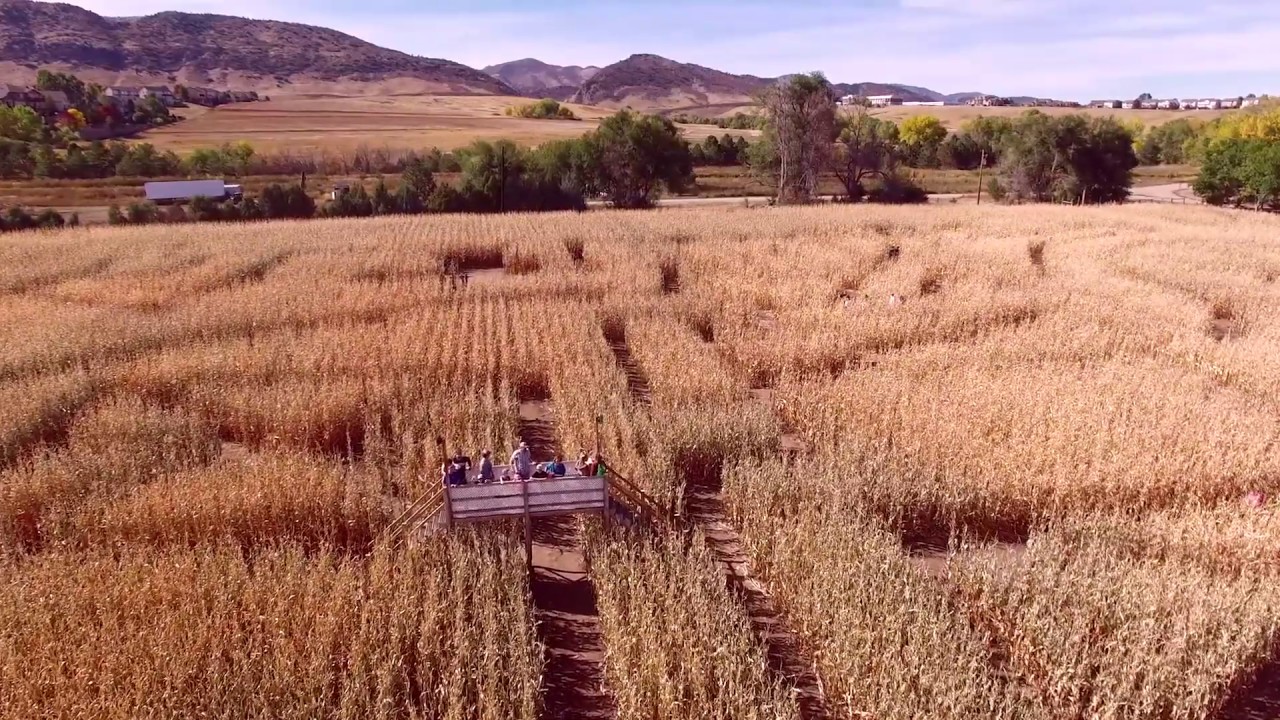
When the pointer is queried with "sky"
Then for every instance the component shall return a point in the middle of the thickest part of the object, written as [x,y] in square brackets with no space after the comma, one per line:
[1067,49]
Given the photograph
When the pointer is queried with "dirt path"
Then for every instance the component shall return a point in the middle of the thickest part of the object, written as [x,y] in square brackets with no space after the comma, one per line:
[637,381]
[788,659]
[564,598]
[1259,699]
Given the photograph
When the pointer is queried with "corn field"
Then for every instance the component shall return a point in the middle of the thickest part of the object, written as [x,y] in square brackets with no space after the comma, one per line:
[988,463]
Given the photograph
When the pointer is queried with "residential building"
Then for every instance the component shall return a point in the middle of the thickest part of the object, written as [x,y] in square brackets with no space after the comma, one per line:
[123,93]
[1171,104]
[159,92]
[883,100]
[989,101]
[24,97]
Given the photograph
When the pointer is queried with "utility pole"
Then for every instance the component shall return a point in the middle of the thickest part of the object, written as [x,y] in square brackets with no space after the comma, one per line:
[981,165]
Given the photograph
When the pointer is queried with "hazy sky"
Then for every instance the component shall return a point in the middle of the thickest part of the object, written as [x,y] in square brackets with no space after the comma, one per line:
[1072,49]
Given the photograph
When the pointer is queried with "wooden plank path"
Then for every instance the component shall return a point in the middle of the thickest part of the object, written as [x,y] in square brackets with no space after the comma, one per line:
[789,660]
[564,598]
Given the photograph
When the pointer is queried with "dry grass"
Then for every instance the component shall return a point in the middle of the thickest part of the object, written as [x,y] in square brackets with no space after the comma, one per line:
[342,124]
[204,430]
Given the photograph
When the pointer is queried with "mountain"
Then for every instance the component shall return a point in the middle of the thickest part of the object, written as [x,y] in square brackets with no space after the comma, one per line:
[650,81]
[538,79]
[230,52]
[906,92]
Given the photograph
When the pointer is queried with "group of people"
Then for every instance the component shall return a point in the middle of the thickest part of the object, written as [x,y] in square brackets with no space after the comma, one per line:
[457,471]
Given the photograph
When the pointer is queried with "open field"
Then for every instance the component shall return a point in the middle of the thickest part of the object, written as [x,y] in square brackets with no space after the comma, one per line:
[342,124]
[1019,493]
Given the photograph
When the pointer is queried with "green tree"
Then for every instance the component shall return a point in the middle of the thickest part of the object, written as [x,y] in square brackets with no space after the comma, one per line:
[1067,158]
[20,123]
[921,136]
[417,179]
[1239,171]
[638,157]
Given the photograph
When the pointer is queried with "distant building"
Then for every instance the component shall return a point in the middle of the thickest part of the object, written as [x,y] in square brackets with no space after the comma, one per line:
[989,101]
[1148,104]
[1171,104]
[1250,102]
[23,97]
[1128,105]
[207,96]
[123,93]
[159,92]
[884,100]
[1109,104]
[1231,103]
[244,96]
[1209,104]
[923,103]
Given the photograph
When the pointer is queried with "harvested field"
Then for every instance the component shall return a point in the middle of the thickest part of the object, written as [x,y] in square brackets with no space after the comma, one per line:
[342,124]
[1042,484]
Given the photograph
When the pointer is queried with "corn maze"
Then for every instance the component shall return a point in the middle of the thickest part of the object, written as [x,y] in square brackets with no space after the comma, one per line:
[1040,482]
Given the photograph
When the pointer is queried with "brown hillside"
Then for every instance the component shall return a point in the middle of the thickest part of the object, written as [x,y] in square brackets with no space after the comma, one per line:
[650,81]
[236,52]
[538,79]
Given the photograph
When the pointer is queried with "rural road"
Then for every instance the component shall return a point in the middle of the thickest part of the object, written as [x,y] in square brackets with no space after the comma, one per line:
[1171,192]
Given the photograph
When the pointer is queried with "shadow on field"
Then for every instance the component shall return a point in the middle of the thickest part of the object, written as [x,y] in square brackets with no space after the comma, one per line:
[568,624]
[1256,696]
[789,660]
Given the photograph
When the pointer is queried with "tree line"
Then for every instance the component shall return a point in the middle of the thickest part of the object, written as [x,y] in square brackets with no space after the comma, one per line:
[1036,157]
[1240,159]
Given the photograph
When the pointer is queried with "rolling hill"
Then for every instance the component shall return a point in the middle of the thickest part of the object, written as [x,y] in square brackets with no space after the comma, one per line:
[231,52]
[652,82]
[538,79]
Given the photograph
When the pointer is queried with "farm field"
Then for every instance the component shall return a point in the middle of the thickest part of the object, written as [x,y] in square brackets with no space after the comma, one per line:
[1040,486]
[343,124]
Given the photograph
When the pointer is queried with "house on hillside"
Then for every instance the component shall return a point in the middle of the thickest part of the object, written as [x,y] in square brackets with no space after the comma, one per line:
[123,93]
[205,96]
[884,100]
[24,97]
[159,92]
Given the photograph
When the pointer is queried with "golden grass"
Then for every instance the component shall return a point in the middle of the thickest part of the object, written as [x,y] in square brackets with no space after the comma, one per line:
[205,429]
[343,124]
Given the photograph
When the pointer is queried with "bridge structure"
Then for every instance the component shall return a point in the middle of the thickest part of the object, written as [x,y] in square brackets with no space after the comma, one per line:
[609,495]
